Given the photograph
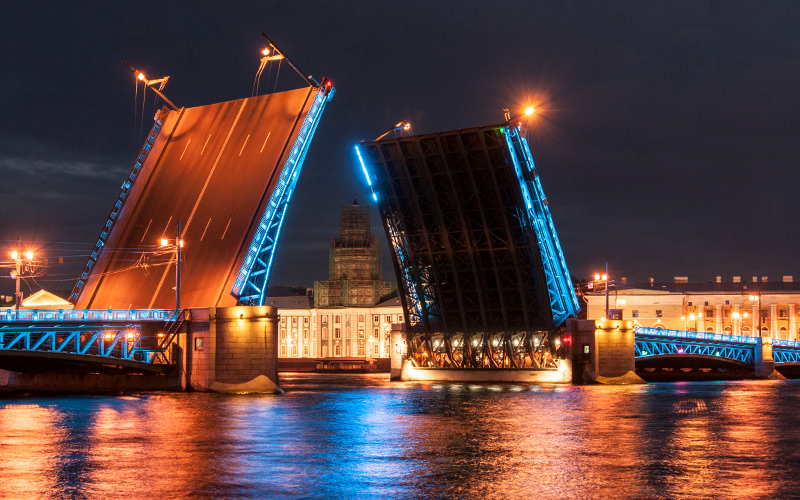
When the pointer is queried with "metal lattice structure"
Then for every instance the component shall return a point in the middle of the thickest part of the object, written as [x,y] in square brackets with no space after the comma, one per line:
[657,342]
[127,185]
[481,275]
[130,340]
[252,280]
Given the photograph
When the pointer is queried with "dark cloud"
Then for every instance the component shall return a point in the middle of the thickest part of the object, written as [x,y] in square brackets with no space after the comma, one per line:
[667,142]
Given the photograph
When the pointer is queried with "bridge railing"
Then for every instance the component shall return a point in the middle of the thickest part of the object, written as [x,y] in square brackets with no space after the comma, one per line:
[717,337]
[70,315]
[123,342]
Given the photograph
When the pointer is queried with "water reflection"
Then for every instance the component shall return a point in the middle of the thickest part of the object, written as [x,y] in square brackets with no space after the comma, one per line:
[364,437]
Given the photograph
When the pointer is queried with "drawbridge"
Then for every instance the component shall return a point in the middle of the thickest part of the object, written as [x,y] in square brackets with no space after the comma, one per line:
[195,225]
[481,273]
[224,174]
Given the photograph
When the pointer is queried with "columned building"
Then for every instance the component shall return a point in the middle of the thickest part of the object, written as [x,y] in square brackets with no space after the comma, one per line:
[351,314]
[736,307]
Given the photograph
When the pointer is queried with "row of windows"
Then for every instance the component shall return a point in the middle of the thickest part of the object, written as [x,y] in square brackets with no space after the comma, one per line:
[388,318]
[294,333]
[782,313]
[294,321]
[337,351]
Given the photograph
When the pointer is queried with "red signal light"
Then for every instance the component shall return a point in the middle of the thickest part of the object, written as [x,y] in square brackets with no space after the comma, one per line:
[567,339]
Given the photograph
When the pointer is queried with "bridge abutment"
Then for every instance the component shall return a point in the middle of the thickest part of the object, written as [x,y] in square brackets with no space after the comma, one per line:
[764,363]
[603,351]
[232,349]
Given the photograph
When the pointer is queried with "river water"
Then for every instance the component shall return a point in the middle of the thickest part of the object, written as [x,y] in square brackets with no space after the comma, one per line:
[362,436]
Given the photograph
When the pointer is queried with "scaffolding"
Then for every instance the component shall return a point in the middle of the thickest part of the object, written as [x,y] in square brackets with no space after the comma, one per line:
[354,265]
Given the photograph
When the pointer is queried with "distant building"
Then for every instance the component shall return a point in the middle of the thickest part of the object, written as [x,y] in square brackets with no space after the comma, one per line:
[349,315]
[735,307]
[354,264]
[41,299]
[308,332]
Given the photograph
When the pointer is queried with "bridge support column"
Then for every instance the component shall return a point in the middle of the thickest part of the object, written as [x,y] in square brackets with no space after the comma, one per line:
[763,360]
[233,350]
[603,351]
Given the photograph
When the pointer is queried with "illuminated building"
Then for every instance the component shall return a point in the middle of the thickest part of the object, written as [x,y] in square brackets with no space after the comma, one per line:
[735,307]
[354,265]
[350,315]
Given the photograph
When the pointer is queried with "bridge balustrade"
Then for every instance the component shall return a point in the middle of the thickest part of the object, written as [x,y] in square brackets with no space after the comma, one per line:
[662,342]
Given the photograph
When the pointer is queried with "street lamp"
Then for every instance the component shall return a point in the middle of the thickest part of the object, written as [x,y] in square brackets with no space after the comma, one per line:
[22,262]
[176,246]
[604,278]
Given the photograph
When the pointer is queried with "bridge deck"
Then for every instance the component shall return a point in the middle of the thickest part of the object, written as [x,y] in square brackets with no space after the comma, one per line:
[211,168]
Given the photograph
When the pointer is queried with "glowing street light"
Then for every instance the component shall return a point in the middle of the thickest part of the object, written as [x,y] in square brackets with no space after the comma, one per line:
[176,245]
[604,278]
[21,264]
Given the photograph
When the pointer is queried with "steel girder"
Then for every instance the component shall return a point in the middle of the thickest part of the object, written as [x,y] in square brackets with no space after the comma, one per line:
[252,280]
[123,195]
[563,300]
[652,347]
[107,341]
[481,274]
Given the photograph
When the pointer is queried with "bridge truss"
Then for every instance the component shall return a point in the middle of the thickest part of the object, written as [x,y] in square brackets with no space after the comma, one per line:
[482,276]
[127,340]
[658,342]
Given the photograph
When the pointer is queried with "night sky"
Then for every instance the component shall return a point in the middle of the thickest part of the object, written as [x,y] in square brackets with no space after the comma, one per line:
[667,136]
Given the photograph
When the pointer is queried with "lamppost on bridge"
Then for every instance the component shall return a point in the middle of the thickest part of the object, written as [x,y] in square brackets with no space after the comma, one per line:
[176,245]
[23,261]
[604,278]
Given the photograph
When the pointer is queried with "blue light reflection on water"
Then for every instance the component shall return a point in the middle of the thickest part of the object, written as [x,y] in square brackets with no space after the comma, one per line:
[364,437]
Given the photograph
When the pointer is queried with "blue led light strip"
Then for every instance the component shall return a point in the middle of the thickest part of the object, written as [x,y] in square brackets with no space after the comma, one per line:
[366,174]
[253,277]
[563,300]
[123,195]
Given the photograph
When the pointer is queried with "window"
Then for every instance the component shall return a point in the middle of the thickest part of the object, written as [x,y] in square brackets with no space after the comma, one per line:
[360,318]
[294,321]
[305,350]
[376,350]
[283,351]
[305,333]
[635,313]
[658,313]
[283,321]
[305,321]
[283,333]
[709,313]
[336,319]
[294,351]
[376,319]
[337,333]
[388,318]
[337,351]
[360,349]
[375,332]
[361,333]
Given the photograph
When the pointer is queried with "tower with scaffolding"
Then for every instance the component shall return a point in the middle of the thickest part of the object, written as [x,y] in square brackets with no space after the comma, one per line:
[354,264]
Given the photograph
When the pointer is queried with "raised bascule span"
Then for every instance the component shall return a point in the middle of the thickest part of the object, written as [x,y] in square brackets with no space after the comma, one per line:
[225,172]
[481,273]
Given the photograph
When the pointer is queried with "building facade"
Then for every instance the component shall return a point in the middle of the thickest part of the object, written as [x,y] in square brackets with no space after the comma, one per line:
[305,331]
[354,264]
[351,314]
[759,307]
